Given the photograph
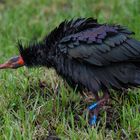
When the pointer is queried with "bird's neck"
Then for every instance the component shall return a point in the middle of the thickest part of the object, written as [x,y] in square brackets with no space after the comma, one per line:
[36,54]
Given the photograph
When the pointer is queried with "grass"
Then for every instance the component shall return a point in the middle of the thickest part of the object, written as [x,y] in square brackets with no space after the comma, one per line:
[36,103]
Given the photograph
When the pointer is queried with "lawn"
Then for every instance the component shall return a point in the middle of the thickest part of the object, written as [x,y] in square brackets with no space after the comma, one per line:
[38,104]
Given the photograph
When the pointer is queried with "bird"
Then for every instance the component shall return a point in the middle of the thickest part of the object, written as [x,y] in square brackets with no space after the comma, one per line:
[87,54]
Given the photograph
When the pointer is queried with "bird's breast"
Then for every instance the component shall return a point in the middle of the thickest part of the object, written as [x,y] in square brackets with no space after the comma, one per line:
[77,73]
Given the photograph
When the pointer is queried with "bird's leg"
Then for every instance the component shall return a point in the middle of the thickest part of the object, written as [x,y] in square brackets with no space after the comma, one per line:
[96,106]
[94,109]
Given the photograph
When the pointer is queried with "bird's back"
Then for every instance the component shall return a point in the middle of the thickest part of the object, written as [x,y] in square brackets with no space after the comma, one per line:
[96,55]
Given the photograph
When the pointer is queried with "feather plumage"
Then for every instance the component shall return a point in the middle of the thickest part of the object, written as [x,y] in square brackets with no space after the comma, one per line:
[92,55]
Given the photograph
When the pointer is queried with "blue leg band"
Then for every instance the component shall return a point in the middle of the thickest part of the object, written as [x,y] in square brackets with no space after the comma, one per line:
[93,120]
[93,106]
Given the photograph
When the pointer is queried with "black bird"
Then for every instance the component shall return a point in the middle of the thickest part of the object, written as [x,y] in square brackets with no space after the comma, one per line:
[94,56]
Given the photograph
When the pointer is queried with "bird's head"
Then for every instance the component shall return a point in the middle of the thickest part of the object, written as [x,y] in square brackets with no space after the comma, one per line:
[35,54]
[14,62]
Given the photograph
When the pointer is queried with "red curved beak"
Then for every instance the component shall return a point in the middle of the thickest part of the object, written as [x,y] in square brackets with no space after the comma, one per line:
[13,63]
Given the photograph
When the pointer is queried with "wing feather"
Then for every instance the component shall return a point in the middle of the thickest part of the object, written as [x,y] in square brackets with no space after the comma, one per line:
[101,45]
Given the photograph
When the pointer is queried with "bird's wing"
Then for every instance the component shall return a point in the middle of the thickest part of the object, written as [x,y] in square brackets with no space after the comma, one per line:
[101,46]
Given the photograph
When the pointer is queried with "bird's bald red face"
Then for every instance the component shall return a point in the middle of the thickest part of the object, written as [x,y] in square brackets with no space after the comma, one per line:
[14,62]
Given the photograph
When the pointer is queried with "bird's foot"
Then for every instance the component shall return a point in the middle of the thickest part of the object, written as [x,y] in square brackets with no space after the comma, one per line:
[95,108]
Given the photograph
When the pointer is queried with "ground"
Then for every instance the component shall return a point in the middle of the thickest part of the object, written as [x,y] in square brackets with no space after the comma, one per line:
[38,104]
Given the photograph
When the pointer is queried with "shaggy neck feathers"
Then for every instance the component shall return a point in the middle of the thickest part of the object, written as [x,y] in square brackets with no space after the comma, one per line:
[36,54]
[44,53]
